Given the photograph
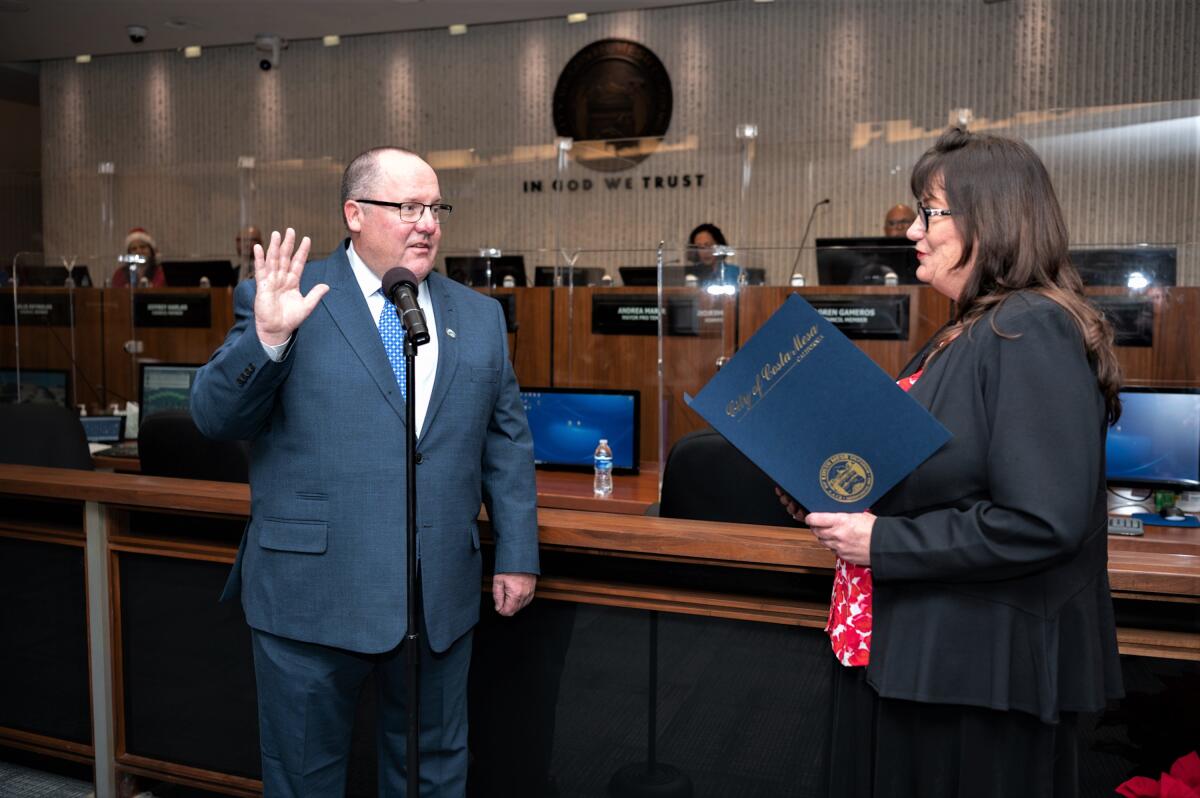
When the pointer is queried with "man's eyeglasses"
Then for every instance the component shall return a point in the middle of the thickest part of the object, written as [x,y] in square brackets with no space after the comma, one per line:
[413,211]
[924,214]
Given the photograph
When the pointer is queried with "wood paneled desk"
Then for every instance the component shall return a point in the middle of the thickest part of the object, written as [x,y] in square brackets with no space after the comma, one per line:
[572,490]
[129,578]
[555,342]
[568,490]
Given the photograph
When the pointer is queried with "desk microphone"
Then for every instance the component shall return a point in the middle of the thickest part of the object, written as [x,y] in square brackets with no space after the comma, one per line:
[400,286]
[807,227]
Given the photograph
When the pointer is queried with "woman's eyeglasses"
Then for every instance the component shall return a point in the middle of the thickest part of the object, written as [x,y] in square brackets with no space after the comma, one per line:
[924,214]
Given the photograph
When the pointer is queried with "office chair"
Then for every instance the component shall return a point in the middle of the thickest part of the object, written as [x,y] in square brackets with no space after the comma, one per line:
[43,435]
[169,445]
[707,479]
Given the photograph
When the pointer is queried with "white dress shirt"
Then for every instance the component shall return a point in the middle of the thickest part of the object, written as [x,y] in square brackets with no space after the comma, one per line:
[370,284]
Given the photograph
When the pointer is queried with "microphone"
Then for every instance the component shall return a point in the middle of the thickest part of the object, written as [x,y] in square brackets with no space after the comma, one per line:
[400,286]
[807,227]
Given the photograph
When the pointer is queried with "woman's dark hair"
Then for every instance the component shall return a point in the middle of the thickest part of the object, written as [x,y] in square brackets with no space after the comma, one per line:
[712,230]
[693,255]
[1005,209]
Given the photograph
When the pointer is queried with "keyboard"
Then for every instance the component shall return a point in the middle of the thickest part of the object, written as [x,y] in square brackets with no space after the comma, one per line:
[1124,525]
[128,449]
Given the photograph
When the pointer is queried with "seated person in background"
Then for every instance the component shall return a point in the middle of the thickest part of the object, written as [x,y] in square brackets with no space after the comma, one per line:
[246,238]
[139,242]
[898,220]
[701,260]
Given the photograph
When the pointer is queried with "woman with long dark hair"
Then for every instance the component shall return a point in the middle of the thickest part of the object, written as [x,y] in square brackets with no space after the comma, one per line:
[971,617]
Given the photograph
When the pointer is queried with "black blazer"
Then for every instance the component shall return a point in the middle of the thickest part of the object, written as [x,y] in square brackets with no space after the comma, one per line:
[990,560]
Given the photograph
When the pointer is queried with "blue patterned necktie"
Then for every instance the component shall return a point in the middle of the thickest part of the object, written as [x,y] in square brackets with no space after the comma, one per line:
[392,333]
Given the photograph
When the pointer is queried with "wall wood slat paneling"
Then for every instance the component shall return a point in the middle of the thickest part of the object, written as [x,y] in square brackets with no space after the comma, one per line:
[846,95]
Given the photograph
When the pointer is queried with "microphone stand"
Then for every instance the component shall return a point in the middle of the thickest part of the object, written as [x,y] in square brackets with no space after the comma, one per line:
[412,637]
[807,227]
[400,286]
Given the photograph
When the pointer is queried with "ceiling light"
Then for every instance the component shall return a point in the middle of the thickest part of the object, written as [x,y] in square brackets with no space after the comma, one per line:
[458,30]
[764,1]
[83,59]
[191,51]
[331,41]
[579,16]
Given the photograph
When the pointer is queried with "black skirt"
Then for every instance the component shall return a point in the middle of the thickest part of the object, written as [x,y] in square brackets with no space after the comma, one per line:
[890,748]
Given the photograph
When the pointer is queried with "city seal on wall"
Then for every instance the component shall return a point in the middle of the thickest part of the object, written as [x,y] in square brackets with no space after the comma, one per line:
[846,477]
[614,99]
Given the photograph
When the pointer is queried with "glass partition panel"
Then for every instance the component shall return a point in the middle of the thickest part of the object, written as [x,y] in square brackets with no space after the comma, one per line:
[797,207]
[50,333]
[500,231]
[301,193]
[171,297]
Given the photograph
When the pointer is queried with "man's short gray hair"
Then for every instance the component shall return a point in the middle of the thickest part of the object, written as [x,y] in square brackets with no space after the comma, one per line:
[363,173]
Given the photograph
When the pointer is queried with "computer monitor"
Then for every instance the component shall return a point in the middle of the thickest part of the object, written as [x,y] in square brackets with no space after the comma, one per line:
[1132,267]
[187,273]
[103,429]
[42,276]
[866,261]
[474,271]
[567,423]
[37,386]
[164,386]
[1156,442]
[579,275]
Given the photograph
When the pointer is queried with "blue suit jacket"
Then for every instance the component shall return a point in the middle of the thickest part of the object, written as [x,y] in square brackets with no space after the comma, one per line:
[323,557]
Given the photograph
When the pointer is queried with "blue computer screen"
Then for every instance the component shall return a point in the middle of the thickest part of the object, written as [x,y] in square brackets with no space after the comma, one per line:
[567,425]
[103,429]
[165,387]
[1157,440]
[37,386]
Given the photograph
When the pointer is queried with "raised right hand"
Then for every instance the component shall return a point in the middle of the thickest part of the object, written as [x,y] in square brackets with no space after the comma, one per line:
[279,307]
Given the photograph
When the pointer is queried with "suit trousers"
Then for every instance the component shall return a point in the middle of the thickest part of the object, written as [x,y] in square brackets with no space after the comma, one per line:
[307,694]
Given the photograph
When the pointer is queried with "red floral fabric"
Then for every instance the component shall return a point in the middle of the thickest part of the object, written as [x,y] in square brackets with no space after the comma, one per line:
[849,625]
[1182,782]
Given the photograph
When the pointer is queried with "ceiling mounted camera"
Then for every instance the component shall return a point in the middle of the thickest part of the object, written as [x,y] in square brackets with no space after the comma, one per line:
[137,33]
[270,44]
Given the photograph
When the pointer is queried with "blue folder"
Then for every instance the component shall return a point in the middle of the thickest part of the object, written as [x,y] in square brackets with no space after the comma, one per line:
[816,414]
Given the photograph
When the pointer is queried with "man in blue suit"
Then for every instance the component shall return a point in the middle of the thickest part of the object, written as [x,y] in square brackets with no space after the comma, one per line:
[306,377]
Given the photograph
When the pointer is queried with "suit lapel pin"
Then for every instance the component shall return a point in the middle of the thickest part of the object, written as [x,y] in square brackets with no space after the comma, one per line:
[451,333]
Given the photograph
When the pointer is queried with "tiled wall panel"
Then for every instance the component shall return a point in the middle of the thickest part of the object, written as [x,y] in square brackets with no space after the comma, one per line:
[846,95]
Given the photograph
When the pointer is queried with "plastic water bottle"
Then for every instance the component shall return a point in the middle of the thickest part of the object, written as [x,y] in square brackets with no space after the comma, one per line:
[602,482]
